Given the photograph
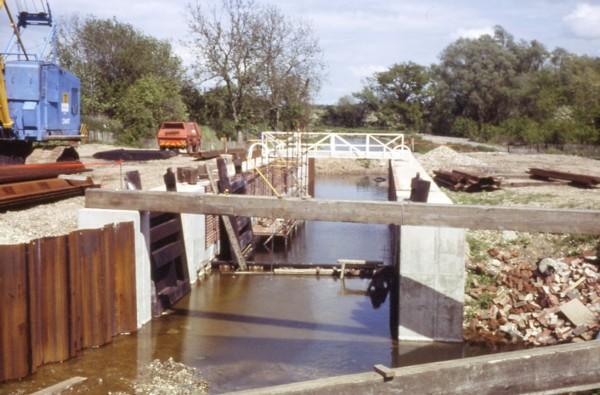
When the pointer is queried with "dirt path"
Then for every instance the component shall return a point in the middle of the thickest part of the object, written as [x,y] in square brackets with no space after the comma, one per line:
[458,140]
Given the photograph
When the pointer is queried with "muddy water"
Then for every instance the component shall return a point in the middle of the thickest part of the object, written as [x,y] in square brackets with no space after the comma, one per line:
[325,242]
[250,331]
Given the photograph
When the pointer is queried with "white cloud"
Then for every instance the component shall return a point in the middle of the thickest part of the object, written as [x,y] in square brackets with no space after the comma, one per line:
[584,21]
[473,32]
[367,70]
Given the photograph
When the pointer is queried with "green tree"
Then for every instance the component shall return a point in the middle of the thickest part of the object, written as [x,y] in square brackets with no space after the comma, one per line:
[347,113]
[109,56]
[148,102]
[477,76]
[397,96]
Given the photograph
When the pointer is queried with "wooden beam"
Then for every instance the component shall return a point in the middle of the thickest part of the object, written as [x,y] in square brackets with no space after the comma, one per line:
[543,370]
[399,213]
[234,241]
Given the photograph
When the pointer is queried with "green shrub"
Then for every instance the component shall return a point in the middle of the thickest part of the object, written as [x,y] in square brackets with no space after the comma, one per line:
[148,102]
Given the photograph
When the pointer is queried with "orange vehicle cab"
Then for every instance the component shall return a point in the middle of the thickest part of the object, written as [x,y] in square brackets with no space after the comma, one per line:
[179,135]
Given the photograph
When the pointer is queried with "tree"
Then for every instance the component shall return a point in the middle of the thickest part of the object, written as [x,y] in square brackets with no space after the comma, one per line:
[401,92]
[259,57]
[109,56]
[477,75]
[148,102]
[347,113]
[290,65]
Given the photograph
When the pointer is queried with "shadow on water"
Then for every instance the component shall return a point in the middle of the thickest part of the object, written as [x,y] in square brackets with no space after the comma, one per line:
[251,331]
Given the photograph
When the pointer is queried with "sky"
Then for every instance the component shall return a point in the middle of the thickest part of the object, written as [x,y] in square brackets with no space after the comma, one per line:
[360,37]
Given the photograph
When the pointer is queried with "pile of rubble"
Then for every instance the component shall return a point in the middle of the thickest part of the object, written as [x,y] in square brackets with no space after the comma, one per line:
[555,301]
[446,158]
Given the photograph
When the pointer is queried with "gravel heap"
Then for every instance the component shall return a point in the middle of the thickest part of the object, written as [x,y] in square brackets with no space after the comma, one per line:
[169,377]
[445,158]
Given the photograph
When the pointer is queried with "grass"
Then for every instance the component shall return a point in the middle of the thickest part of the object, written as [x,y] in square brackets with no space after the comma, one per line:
[498,198]
[478,248]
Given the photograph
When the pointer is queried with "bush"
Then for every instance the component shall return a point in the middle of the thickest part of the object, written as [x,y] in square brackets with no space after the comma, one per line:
[521,130]
[465,127]
[102,123]
[148,102]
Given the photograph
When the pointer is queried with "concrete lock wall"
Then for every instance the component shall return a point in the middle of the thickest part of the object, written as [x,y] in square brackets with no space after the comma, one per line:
[431,268]
[198,254]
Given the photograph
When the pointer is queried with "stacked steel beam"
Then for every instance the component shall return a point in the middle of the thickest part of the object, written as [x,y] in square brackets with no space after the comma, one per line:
[577,179]
[26,185]
[456,180]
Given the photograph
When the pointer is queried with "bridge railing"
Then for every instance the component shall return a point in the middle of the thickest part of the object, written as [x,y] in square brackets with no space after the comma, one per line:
[336,145]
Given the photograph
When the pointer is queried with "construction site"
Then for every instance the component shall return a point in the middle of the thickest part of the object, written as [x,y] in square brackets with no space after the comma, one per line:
[288,262]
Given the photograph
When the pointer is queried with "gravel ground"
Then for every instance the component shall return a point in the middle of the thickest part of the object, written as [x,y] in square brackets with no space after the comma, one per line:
[512,168]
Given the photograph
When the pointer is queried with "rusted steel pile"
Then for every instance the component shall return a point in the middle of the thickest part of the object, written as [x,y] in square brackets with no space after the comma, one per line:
[576,179]
[554,302]
[25,185]
[457,180]
[19,173]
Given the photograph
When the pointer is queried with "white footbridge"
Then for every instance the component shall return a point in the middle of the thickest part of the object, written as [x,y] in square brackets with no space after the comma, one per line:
[332,145]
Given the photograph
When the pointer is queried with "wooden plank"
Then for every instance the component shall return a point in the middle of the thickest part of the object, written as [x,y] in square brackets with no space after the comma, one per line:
[166,229]
[527,371]
[399,213]
[124,279]
[14,320]
[166,254]
[311,176]
[233,240]
[49,300]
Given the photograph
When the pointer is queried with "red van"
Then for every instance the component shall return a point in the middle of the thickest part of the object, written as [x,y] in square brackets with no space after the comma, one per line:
[179,135]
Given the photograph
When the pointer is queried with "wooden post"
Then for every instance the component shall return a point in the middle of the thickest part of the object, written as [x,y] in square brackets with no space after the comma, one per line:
[311,176]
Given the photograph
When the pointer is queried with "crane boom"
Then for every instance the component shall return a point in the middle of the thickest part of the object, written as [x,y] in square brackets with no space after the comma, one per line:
[5,119]
[15,27]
